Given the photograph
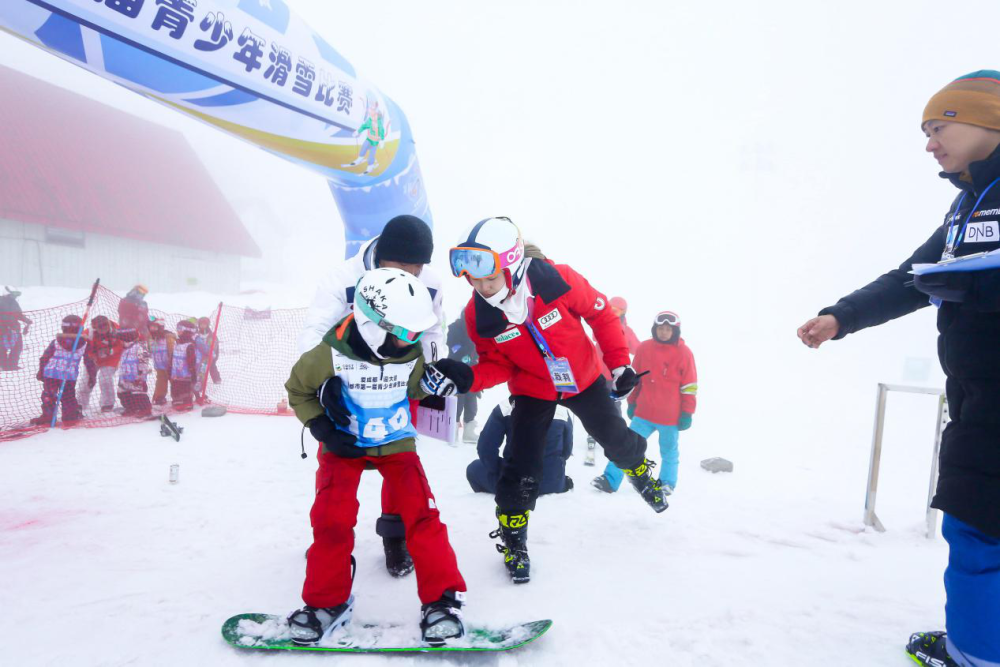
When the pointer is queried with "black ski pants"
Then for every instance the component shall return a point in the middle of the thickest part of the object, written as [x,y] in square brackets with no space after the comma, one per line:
[517,489]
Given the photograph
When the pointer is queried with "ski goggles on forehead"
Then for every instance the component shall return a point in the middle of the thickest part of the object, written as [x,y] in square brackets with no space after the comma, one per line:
[668,318]
[399,332]
[482,262]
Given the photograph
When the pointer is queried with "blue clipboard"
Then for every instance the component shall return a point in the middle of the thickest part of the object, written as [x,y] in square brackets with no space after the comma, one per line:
[981,261]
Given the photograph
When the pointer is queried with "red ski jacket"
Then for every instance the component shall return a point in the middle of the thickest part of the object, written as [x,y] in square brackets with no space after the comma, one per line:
[671,386]
[630,339]
[508,353]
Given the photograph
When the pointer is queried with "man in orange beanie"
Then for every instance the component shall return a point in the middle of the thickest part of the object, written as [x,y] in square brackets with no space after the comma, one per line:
[962,125]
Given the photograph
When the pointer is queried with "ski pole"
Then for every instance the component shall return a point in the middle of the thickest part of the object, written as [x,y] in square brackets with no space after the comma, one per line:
[211,350]
[76,342]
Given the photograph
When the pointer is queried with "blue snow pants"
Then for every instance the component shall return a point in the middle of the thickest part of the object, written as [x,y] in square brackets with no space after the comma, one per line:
[668,452]
[972,584]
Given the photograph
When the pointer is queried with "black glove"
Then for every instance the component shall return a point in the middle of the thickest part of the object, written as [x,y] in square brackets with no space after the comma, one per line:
[335,441]
[331,397]
[624,381]
[447,376]
[948,286]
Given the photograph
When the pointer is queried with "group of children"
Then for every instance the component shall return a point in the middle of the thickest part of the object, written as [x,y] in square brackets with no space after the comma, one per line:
[180,361]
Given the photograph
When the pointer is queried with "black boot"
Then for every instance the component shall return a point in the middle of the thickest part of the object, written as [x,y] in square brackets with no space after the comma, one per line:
[513,531]
[310,625]
[397,558]
[648,486]
[441,620]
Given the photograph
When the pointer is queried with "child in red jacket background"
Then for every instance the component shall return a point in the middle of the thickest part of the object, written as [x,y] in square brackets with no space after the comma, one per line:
[664,401]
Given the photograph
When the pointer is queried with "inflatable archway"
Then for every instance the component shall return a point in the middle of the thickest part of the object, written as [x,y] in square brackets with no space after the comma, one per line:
[253,69]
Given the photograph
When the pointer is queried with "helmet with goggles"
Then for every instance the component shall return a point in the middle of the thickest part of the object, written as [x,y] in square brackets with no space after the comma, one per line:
[668,317]
[492,246]
[391,301]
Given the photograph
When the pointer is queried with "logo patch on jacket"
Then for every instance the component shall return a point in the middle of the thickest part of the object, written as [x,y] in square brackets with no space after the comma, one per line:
[987,231]
[510,334]
[549,318]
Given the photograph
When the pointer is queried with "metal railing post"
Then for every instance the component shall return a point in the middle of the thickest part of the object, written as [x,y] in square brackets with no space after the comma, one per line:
[876,456]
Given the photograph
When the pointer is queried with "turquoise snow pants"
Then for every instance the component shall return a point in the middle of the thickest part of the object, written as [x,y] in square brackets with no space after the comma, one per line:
[668,452]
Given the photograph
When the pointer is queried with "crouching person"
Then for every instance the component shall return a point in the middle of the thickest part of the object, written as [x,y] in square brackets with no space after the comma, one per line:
[364,372]
[484,473]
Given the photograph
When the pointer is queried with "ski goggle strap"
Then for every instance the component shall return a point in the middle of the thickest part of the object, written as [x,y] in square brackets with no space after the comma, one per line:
[399,332]
[483,262]
[666,317]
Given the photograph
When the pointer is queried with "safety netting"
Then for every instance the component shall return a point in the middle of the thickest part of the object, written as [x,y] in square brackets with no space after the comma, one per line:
[244,357]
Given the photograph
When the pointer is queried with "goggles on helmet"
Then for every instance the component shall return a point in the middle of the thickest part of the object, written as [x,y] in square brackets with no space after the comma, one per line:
[399,332]
[667,317]
[482,262]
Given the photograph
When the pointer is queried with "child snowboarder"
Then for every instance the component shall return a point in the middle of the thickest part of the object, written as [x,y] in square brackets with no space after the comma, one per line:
[352,391]
[105,348]
[132,389]
[162,348]
[60,362]
[664,401]
[204,347]
[183,367]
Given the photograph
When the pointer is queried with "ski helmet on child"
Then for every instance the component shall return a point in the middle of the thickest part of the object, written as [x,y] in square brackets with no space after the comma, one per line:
[392,301]
[71,324]
[491,246]
[186,327]
[670,318]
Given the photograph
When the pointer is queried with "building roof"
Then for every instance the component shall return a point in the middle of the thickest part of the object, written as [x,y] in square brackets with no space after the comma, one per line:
[67,161]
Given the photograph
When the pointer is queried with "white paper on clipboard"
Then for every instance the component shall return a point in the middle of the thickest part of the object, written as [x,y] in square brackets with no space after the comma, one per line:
[437,418]
[981,261]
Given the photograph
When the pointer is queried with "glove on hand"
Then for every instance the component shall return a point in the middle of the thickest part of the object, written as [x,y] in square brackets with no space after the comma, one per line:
[330,395]
[630,411]
[335,441]
[624,380]
[684,423]
[949,286]
[446,377]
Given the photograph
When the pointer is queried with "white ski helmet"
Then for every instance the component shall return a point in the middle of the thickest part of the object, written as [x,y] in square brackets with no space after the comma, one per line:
[491,246]
[392,301]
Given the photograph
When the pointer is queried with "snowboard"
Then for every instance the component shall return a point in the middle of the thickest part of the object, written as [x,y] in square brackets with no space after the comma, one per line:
[269,632]
[169,429]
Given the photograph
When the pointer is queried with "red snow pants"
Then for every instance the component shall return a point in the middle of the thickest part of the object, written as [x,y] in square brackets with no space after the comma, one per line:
[388,503]
[335,513]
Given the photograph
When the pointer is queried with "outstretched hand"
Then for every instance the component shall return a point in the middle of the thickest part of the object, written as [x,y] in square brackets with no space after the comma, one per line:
[818,330]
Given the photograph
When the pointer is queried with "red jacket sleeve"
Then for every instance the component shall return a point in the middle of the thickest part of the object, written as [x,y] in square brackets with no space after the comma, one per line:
[492,368]
[689,384]
[591,305]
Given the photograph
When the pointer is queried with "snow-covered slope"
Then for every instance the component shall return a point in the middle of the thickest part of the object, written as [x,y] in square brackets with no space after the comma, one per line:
[106,563]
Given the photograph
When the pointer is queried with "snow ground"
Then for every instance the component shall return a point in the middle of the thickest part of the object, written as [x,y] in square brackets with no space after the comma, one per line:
[105,563]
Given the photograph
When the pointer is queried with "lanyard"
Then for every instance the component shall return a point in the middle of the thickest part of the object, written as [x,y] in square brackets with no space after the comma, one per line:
[951,244]
[540,340]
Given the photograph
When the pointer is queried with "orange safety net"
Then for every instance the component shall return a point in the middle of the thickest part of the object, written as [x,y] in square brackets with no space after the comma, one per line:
[253,353]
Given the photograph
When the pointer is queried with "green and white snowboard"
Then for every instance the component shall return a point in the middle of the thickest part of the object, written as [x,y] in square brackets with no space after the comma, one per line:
[269,632]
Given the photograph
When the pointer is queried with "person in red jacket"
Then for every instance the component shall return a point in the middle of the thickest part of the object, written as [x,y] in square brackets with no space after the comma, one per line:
[664,401]
[524,319]
[105,349]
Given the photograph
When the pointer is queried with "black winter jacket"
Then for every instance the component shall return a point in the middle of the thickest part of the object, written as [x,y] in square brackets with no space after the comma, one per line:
[968,347]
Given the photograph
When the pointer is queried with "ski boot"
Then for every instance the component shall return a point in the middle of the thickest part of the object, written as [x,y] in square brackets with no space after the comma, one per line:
[311,625]
[441,620]
[648,486]
[513,531]
[928,648]
[601,483]
[397,558]
[469,433]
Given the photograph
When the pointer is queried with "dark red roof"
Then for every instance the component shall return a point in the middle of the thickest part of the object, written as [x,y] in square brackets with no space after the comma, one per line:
[68,161]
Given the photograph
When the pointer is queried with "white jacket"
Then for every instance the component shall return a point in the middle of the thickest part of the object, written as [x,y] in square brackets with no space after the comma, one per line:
[334,300]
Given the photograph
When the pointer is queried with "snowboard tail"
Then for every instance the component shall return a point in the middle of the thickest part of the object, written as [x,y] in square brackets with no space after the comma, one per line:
[270,632]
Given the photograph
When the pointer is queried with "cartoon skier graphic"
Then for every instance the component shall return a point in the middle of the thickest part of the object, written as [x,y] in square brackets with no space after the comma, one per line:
[374,131]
